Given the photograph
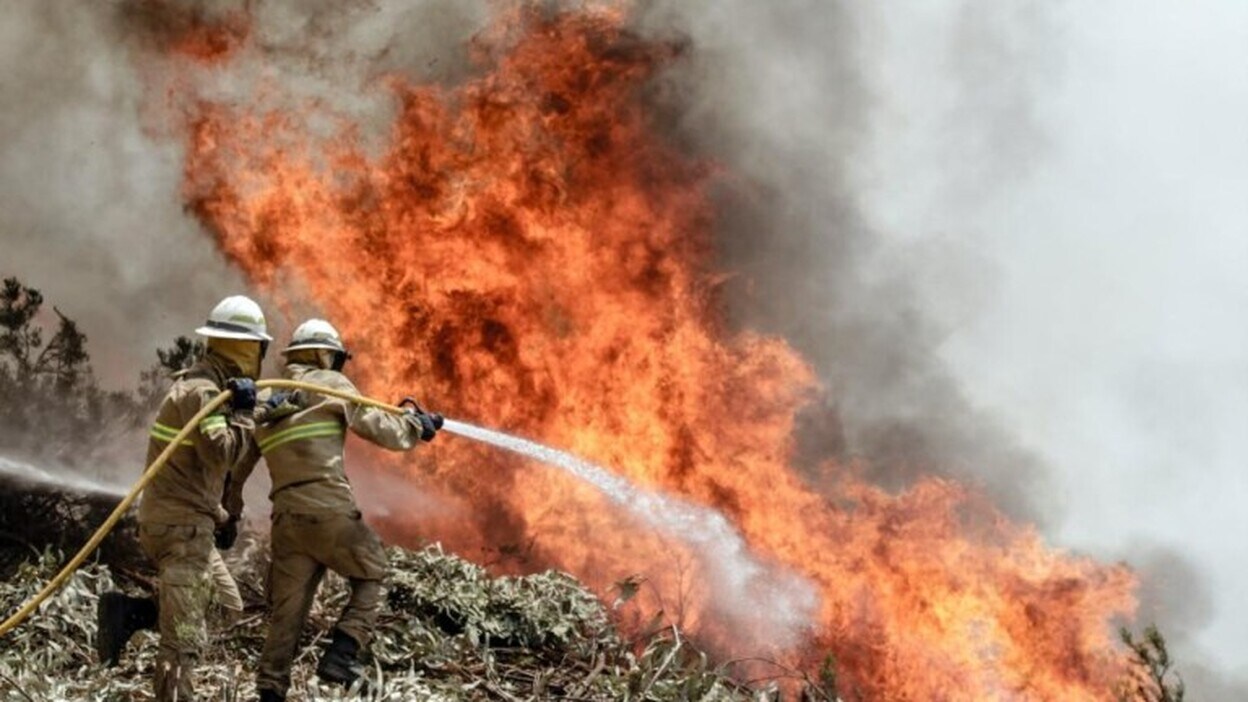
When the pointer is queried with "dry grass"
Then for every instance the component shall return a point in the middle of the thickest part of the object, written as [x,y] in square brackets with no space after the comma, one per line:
[448,632]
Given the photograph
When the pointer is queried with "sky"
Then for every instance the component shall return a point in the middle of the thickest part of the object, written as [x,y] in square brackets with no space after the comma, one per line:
[1092,291]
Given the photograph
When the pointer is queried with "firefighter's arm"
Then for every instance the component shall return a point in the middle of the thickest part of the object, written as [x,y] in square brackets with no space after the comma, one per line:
[230,511]
[369,423]
[222,437]
[232,500]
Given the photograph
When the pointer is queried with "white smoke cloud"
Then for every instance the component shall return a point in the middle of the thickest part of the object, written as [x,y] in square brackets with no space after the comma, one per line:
[91,214]
[1096,188]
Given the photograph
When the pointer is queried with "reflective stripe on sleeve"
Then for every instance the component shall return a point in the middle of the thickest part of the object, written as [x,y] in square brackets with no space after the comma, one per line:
[303,431]
[160,432]
[211,422]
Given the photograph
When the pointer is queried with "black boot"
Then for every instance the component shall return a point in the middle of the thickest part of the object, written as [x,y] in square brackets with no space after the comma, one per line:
[118,616]
[340,663]
[271,696]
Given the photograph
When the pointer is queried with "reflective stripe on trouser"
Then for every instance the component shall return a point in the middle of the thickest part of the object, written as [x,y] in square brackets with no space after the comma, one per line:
[182,554]
[304,547]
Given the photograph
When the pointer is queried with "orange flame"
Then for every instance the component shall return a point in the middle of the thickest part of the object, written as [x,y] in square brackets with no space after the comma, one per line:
[529,253]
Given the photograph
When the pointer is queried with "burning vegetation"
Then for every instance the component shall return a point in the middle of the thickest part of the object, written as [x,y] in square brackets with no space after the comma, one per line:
[529,251]
[450,630]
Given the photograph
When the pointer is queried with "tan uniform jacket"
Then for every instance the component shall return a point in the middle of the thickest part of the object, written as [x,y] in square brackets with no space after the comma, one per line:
[304,450]
[188,491]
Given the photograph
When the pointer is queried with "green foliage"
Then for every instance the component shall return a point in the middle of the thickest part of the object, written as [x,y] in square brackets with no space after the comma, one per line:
[828,679]
[51,406]
[62,362]
[154,382]
[46,658]
[50,403]
[52,412]
[538,611]
[182,355]
[20,338]
[1152,677]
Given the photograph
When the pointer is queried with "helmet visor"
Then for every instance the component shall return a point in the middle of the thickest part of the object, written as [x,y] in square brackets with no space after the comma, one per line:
[228,330]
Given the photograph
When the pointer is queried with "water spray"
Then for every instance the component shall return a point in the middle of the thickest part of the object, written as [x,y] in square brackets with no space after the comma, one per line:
[741,577]
[25,472]
[691,522]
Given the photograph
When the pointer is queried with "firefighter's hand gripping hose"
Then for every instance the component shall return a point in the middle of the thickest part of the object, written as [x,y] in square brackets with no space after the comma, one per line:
[55,583]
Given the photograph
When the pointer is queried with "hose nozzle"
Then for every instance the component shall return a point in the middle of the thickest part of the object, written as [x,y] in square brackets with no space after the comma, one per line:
[434,418]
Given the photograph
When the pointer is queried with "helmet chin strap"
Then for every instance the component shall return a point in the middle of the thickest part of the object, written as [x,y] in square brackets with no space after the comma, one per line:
[330,360]
[340,359]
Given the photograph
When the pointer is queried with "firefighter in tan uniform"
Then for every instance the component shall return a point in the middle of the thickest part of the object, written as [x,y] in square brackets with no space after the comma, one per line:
[179,517]
[316,523]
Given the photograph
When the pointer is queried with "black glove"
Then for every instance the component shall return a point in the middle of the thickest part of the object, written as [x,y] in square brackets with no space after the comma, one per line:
[279,406]
[429,423]
[277,399]
[424,422]
[226,534]
[244,397]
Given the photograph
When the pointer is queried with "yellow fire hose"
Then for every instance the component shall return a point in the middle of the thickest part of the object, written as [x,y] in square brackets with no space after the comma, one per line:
[55,583]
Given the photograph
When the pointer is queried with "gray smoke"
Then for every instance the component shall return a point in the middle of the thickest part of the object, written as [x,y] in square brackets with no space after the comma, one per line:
[1052,156]
[884,151]
[783,93]
[855,220]
[91,214]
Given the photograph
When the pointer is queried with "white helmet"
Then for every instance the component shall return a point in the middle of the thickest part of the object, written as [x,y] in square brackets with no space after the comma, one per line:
[315,334]
[236,317]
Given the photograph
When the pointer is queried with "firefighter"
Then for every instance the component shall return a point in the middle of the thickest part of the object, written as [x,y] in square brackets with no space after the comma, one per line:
[180,508]
[316,523]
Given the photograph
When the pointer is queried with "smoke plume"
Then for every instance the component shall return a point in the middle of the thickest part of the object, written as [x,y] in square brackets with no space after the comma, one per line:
[786,96]
[90,215]
[782,94]
[776,93]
